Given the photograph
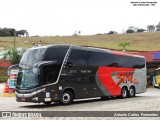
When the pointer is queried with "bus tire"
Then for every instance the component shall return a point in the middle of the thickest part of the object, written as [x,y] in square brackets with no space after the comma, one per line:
[124,93]
[132,91]
[67,97]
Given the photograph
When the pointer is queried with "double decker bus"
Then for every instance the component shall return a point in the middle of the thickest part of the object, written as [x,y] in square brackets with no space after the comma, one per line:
[62,73]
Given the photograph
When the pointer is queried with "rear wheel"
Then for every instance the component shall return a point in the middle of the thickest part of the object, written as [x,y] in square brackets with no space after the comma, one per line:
[124,92]
[67,97]
[131,92]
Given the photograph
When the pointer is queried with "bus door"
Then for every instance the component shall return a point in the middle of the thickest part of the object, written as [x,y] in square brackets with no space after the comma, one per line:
[80,74]
[86,77]
[71,78]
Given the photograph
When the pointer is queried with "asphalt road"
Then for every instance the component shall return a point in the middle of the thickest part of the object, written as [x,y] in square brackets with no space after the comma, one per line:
[148,101]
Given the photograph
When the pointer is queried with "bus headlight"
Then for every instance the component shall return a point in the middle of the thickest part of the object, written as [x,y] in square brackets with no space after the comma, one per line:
[35,70]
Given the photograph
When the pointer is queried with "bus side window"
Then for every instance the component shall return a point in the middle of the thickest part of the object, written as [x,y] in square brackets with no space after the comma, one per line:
[101,59]
[52,76]
[50,73]
[77,58]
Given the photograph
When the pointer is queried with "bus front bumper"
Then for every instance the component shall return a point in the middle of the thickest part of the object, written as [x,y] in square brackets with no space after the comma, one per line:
[37,97]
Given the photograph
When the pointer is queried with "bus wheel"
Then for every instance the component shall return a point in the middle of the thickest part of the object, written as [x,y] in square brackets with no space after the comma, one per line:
[124,92]
[67,97]
[131,92]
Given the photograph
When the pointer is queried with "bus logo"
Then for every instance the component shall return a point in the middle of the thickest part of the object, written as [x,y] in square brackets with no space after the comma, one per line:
[126,77]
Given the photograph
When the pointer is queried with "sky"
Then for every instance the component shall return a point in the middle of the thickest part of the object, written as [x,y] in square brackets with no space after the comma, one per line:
[64,17]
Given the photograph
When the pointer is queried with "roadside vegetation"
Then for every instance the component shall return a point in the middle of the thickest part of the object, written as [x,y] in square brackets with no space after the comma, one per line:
[3,74]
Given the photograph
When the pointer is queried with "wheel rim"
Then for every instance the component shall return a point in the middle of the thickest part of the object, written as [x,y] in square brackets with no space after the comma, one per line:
[124,93]
[131,92]
[66,98]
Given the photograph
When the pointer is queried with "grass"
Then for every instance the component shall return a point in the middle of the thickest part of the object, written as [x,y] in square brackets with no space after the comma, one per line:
[148,41]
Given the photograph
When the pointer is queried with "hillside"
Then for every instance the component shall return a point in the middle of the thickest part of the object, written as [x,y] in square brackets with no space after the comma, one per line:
[139,41]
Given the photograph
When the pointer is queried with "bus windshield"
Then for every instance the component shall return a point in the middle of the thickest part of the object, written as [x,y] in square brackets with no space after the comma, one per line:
[32,56]
[27,78]
[157,72]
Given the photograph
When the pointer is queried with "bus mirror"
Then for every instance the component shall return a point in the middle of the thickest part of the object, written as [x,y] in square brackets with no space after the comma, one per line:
[16,66]
[8,73]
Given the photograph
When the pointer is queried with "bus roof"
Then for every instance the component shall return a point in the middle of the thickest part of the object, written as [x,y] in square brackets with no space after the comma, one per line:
[91,48]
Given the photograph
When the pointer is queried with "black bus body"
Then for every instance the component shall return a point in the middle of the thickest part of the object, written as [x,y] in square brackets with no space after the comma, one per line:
[62,73]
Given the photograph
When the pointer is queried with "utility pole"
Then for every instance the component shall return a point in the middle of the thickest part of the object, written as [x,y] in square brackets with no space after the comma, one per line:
[14,39]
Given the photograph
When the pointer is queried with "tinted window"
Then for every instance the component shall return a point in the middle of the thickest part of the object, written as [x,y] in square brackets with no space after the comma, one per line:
[96,58]
[77,57]
[50,73]
[56,53]
[157,72]
[32,56]
[99,59]
[130,62]
[111,60]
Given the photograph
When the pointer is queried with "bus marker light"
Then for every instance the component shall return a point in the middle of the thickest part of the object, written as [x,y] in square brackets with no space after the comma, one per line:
[60,87]
[23,99]
[47,99]
[47,94]
[35,98]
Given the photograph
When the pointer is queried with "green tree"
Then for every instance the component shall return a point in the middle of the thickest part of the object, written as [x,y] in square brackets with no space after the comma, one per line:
[150,28]
[141,30]
[22,32]
[158,27]
[13,55]
[7,32]
[112,32]
[130,31]
[124,45]
[4,32]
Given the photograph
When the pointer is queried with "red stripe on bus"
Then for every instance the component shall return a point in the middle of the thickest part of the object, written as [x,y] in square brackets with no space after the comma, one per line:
[121,53]
[105,76]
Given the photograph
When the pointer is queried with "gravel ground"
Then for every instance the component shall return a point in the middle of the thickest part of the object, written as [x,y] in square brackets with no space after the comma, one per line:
[148,101]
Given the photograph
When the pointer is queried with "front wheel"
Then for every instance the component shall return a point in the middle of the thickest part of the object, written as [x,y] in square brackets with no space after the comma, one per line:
[124,92]
[67,97]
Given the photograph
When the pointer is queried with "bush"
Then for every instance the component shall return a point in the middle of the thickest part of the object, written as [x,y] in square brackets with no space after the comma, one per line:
[3,74]
[141,30]
[130,31]
[13,55]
